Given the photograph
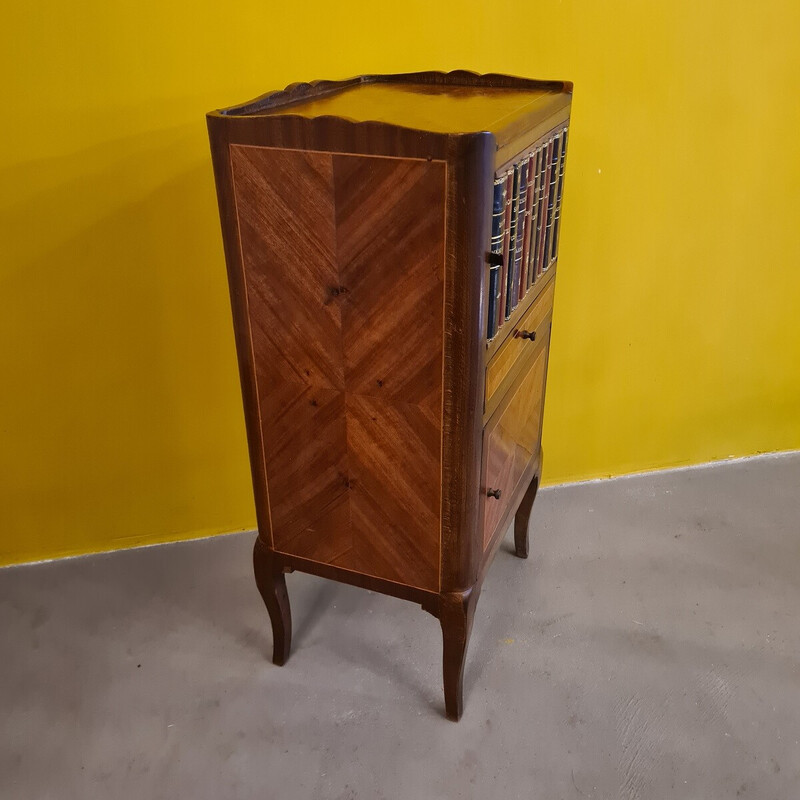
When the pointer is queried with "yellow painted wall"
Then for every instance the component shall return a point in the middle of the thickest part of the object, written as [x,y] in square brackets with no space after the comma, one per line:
[677,326]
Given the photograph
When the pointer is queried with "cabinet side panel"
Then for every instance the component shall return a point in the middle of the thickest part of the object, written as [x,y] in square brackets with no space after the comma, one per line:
[284,201]
[390,245]
[343,261]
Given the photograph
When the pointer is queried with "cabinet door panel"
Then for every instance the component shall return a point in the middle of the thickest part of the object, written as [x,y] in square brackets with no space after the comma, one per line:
[511,442]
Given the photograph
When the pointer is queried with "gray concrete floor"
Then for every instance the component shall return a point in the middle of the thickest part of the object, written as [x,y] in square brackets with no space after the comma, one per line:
[649,648]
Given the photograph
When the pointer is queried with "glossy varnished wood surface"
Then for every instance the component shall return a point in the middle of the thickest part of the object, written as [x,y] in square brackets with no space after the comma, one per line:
[512,441]
[387,380]
[345,291]
[439,109]
[528,133]
[512,323]
[469,174]
[450,103]
[501,366]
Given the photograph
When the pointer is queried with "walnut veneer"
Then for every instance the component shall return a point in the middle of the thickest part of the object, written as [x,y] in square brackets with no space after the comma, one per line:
[391,445]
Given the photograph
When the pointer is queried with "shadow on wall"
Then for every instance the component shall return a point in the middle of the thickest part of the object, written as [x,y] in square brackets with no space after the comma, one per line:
[121,397]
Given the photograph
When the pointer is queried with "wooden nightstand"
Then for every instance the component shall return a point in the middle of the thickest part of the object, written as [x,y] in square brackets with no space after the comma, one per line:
[391,244]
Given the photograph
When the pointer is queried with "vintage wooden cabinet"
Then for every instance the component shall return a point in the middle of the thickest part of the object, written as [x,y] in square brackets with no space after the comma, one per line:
[391,244]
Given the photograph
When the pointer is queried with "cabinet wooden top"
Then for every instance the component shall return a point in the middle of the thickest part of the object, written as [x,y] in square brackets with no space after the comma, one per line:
[436,102]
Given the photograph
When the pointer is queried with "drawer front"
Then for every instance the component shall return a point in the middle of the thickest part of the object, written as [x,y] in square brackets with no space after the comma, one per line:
[500,368]
[511,441]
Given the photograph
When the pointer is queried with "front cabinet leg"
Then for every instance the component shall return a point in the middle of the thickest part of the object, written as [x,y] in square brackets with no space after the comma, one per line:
[456,612]
[272,586]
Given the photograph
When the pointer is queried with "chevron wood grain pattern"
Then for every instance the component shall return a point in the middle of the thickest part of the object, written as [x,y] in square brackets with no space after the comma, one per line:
[512,443]
[344,267]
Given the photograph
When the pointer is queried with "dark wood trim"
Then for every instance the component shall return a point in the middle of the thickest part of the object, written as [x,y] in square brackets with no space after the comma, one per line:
[218,134]
[271,585]
[290,563]
[301,92]
[456,613]
[334,135]
[523,515]
[511,146]
[463,77]
[469,175]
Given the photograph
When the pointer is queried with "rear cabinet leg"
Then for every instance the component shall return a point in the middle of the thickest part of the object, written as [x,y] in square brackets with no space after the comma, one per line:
[456,612]
[271,584]
[523,517]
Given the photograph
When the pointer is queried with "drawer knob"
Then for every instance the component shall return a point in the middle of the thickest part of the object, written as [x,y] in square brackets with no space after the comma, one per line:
[493,493]
[527,335]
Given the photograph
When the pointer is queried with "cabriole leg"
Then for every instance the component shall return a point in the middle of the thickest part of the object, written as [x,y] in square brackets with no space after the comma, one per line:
[523,517]
[272,586]
[456,612]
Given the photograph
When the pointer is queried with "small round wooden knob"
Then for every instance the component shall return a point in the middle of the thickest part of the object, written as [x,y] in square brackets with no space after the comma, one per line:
[493,493]
[527,335]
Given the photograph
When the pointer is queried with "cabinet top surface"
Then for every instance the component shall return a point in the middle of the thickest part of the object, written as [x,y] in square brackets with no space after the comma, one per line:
[436,102]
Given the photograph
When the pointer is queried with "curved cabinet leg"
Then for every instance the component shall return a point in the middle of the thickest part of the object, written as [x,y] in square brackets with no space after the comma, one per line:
[456,612]
[272,586]
[523,517]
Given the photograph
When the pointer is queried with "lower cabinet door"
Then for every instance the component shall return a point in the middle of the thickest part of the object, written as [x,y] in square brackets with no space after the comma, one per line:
[511,441]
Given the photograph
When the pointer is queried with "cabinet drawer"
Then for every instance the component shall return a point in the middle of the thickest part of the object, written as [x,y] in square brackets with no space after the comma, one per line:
[511,441]
[500,368]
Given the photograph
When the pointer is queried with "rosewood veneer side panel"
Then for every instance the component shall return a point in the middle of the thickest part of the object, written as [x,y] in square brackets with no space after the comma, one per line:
[284,202]
[390,243]
[390,228]
[350,393]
